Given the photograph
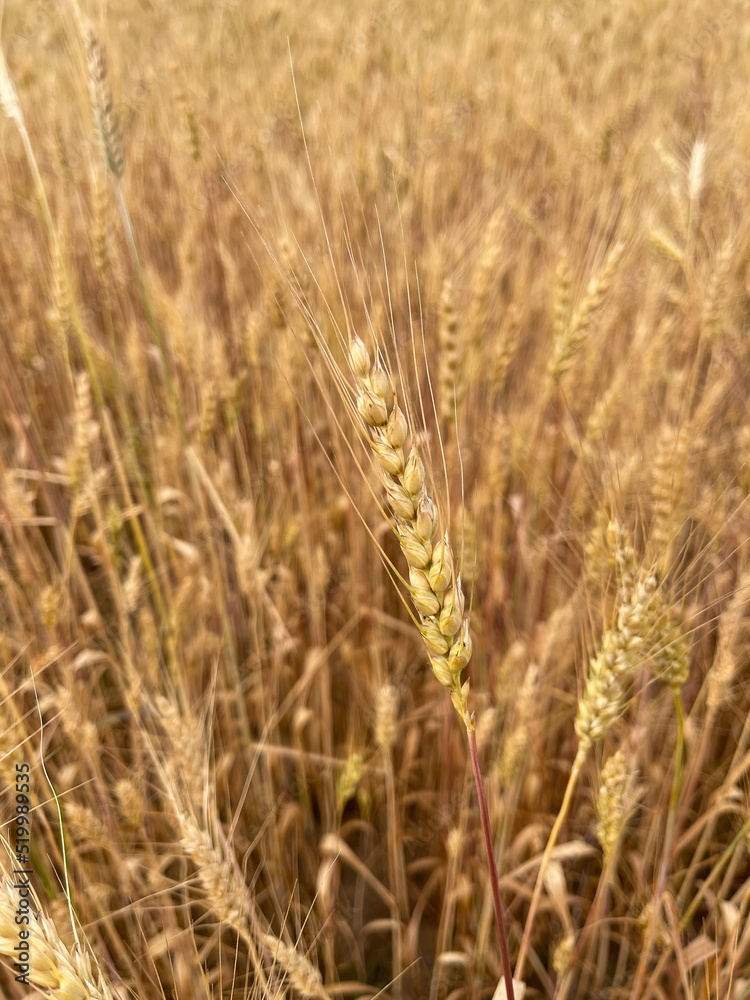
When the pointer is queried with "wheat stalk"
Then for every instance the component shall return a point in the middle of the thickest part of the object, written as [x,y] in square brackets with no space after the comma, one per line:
[435,587]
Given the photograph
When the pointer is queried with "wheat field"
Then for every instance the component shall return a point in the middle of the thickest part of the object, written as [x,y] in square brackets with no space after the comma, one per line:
[374,417]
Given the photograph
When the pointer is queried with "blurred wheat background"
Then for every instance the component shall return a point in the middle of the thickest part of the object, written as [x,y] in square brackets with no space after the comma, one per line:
[244,779]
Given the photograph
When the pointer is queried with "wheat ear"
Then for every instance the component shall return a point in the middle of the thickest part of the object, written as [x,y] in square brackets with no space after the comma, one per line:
[435,588]
[303,976]
[451,375]
[572,336]
[105,116]
[604,695]
[61,972]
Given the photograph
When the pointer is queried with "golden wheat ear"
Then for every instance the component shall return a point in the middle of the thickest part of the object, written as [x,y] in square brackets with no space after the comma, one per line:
[38,951]
[435,587]
[434,583]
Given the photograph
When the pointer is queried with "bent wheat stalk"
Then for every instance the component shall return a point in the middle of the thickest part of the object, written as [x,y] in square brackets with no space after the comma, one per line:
[434,586]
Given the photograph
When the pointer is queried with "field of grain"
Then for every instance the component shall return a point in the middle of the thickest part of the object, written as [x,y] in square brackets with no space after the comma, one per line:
[349,354]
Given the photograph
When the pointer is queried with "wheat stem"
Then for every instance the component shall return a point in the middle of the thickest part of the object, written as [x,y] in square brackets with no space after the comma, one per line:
[547,856]
[494,881]
[714,874]
[674,798]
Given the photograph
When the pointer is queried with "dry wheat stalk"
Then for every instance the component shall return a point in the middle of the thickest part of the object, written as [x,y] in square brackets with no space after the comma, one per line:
[435,587]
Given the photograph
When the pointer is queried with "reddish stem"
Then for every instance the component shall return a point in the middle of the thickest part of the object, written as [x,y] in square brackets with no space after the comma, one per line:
[494,882]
